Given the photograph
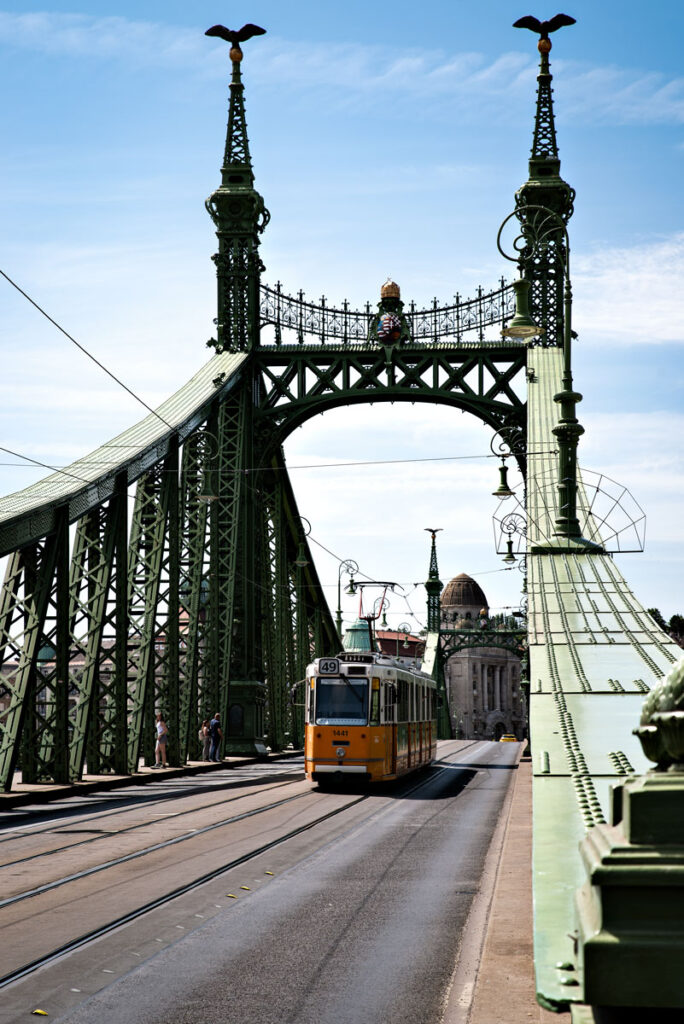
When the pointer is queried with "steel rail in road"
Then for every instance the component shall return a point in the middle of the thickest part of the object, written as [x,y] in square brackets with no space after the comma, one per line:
[73,944]
[86,872]
[129,828]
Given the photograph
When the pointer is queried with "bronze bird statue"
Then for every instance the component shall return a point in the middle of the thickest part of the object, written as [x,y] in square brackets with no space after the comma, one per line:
[235,37]
[544,27]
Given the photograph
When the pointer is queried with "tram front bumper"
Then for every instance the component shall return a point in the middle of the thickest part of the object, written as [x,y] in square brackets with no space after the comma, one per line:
[340,769]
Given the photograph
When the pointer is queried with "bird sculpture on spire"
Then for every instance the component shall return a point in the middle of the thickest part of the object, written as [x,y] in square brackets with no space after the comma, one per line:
[235,37]
[544,27]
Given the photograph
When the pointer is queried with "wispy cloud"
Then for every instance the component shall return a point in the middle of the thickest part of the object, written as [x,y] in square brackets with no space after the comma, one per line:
[101,38]
[592,94]
[632,294]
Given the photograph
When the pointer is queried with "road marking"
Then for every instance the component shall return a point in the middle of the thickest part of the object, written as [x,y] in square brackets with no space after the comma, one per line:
[466,995]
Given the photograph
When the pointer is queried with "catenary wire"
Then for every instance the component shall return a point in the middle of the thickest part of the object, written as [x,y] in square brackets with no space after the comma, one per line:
[85,350]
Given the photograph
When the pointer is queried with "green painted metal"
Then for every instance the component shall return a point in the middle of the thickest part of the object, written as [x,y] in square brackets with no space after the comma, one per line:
[455,640]
[594,652]
[95,558]
[433,658]
[303,381]
[146,627]
[433,588]
[545,189]
[630,906]
[28,582]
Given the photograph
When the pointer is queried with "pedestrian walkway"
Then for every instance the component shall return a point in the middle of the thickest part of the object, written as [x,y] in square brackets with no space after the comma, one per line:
[504,989]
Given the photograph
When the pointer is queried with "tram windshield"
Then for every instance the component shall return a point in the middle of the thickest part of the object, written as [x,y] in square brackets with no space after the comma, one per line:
[341,701]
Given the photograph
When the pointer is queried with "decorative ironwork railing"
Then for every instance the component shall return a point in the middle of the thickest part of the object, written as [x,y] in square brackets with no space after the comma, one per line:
[292,316]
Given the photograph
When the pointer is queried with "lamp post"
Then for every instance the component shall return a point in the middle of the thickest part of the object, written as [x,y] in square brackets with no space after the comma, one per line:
[405,628]
[349,567]
[539,229]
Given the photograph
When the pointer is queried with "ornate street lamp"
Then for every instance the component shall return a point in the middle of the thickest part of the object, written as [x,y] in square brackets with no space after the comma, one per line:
[348,567]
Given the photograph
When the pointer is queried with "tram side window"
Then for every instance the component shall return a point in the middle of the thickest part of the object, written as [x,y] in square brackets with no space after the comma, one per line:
[388,702]
[403,700]
[375,703]
[310,708]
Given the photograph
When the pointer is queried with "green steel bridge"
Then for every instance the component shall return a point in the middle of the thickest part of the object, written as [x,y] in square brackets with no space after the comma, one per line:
[204,593]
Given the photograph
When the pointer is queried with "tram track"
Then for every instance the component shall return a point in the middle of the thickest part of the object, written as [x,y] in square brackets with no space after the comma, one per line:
[161,900]
[82,817]
[126,830]
[115,862]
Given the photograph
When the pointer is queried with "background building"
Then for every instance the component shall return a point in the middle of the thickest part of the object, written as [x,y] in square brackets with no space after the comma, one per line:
[482,681]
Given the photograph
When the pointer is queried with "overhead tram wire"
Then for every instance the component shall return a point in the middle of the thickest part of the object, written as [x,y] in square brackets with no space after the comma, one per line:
[343,465]
[86,352]
[44,465]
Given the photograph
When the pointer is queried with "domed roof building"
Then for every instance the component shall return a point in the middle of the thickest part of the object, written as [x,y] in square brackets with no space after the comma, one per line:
[463,603]
[482,681]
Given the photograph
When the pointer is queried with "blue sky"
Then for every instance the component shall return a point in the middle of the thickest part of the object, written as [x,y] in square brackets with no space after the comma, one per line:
[387,140]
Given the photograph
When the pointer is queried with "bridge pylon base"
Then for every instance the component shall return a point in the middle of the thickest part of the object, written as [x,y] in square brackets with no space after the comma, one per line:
[631,907]
[245,733]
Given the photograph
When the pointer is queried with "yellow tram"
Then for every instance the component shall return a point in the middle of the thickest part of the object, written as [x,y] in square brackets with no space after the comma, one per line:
[368,717]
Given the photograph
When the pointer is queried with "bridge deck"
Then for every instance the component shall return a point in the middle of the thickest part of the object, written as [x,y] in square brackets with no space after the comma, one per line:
[594,654]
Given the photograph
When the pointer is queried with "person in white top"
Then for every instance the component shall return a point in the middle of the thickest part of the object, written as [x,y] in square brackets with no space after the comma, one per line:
[160,748]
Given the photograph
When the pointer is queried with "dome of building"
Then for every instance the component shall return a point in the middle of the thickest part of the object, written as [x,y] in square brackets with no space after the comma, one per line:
[463,592]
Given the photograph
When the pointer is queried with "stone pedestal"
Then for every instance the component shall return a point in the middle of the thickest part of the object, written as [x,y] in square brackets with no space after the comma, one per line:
[245,732]
[631,908]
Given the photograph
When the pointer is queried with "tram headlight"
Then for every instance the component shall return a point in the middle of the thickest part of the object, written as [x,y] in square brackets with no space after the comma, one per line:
[340,751]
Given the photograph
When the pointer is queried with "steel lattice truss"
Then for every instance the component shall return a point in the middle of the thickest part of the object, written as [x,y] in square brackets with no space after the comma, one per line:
[127,611]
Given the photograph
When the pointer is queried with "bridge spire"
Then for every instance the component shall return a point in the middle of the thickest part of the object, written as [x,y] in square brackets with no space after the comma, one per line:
[545,188]
[239,215]
[434,585]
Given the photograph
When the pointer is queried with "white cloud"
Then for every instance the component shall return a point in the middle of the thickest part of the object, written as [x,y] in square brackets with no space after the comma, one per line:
[631,294]
[592,94]
[141,42]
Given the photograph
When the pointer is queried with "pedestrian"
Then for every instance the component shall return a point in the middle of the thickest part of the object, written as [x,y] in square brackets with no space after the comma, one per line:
[160,747]
[204,736]
[216,737]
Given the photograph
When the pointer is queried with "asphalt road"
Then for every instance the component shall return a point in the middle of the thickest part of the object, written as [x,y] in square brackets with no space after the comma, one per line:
[361,921]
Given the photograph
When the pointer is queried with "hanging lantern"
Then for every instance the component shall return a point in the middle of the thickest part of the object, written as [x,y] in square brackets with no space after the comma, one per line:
[301,560]
[522,325]
[503,490]
[509,557]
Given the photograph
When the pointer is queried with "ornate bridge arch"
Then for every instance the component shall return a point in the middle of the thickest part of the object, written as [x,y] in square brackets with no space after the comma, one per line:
[298,381]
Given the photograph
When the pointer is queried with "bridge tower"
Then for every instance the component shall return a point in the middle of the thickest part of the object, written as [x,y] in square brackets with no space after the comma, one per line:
[236,659]
[543,266]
